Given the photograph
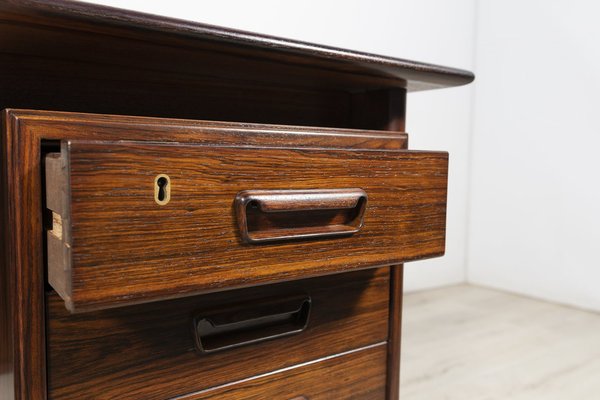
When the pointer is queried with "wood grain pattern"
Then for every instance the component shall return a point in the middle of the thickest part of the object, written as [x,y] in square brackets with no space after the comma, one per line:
[392,117]
[116,353]
[84,19]
[26,136]
[127,249]
[23,265]
[7,295]
[155,66]
[52,125]
[395,332]
[359,375]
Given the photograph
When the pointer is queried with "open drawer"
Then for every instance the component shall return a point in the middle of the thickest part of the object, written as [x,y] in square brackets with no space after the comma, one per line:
[137,221]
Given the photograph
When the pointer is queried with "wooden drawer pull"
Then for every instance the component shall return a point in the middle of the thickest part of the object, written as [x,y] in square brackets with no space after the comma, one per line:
[243,325]
[269,215]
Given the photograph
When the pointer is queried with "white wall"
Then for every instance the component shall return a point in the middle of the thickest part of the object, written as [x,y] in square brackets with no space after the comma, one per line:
[535,194]
[426,30]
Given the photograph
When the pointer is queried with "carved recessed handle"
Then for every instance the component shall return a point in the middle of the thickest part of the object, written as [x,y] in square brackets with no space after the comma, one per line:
[271,215]
[245,324]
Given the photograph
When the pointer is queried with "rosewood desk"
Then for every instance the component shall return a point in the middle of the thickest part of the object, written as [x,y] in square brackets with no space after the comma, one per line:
[192,212]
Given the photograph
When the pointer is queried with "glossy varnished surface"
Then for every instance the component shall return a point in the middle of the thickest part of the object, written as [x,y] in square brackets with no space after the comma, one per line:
[24,357]
[395,332]
[51,125]
[69,56]
[277,215]
[59,55]
[26,136]
[22,143]
[125,248]
[359,375]
[94,19]
[117,353]
[7,290]
[23,353]
[22,274]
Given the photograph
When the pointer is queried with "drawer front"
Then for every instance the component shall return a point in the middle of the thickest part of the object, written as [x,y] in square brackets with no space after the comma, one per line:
[151,351]
[137,222]
[359,376]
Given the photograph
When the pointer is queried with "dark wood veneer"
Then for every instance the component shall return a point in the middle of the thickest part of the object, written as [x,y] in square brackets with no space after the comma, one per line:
[67,56]
[359,375]
[7,278]
[24,134]
[95,19]
[395,333]
[124,248]
[116,353]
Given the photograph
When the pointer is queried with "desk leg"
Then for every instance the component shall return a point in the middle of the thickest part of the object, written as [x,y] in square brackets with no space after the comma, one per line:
[395,333]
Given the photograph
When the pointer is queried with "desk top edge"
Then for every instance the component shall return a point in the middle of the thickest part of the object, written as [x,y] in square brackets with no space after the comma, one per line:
[58,13]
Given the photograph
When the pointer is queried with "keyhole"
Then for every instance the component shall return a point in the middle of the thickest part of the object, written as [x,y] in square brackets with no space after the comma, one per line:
[162,189]
[162,186]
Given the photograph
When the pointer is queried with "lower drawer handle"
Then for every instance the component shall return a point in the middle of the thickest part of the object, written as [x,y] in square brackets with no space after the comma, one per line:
[269,215]
[245,324]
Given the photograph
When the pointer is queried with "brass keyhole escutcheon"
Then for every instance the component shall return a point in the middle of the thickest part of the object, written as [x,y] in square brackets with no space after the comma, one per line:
[162,189]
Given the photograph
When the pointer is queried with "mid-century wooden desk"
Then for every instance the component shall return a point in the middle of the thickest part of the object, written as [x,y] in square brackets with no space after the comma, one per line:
[194,212]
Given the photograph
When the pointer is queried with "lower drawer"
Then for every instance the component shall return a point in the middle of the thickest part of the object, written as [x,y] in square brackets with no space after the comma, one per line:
[158,351]
[360,375]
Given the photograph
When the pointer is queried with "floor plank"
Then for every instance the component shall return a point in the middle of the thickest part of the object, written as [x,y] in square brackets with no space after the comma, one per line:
[470,343]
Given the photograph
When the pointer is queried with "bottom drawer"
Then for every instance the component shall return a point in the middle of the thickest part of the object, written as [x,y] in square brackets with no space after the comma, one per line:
[358,375]
[152,351]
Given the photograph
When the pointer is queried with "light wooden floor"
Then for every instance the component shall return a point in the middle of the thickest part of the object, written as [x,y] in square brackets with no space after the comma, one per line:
[470,343]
